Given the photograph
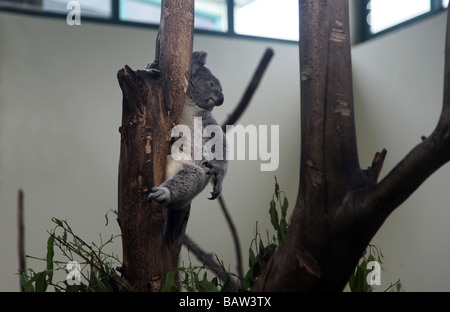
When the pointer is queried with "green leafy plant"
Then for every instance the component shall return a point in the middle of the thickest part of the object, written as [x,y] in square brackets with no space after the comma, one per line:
[194,279]
[96,268]
[260,253]
[97,273]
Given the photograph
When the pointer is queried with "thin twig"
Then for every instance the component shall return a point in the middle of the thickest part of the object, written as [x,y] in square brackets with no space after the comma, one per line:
[392,285]
[62,243]
[21,238]
[209,261]
[237,244]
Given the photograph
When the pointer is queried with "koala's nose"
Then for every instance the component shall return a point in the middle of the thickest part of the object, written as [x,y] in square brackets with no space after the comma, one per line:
[220,100]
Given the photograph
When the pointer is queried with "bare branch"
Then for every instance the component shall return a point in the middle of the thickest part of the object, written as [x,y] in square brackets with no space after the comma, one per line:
[237,243]
[21,234]
[410,173]
[422,161]
[251,88]
[377,164]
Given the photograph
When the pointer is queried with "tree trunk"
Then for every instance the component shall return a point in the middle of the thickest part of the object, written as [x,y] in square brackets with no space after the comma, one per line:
[151,107]
[340,207]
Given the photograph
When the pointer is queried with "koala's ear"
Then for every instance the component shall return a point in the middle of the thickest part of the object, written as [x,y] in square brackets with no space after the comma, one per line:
[198,59]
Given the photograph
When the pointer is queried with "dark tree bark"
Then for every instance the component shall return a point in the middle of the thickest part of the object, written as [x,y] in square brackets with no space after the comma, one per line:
[151,107]
[339,206]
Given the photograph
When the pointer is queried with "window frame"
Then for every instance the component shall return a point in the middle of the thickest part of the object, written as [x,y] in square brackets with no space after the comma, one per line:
[366,34]
[361,27]
[115,20]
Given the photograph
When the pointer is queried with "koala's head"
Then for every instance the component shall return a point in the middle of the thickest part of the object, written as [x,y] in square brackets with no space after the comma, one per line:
[204,88]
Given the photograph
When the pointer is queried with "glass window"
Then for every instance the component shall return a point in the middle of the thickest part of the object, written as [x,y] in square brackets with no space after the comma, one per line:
[267,18]
[140,11]
[387,13]
[209,14]
[444,3]
[97,8]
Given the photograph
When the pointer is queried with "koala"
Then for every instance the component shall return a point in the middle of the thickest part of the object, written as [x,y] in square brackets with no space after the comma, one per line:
[185,179]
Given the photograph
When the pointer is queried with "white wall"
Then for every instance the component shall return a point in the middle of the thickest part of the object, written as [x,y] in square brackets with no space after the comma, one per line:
[398,81]
[60,108]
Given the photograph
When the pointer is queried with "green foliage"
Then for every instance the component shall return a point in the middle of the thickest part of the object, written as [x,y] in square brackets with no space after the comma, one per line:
[98,273]
[195,279]
[94,270]
[280,225]
[260,253]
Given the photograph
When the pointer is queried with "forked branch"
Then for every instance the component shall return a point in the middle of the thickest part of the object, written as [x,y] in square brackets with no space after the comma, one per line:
[340,207]
[423,160]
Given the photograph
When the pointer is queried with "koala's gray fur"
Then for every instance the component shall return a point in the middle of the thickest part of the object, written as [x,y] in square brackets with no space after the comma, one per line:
[186,179]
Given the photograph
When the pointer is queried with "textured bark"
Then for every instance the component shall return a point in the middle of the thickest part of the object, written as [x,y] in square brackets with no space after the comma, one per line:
[340,207]
[151,107]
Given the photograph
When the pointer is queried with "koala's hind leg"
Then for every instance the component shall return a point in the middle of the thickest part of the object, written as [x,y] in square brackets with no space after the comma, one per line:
[179,190]
[175,222]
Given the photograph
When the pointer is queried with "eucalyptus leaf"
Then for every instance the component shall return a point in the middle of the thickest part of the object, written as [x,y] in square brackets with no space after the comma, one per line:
[206,286]
[26,283]
[251,258]
[227,287]
[49,258]
[41,281]
[248,280]
[274,216]
[57,221]
[277,188]
[169,285]
[284,207]
[283,230]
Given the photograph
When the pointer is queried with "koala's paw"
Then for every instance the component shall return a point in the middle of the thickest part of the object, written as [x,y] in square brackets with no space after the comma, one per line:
[159,194]
[210,168]
[217,171]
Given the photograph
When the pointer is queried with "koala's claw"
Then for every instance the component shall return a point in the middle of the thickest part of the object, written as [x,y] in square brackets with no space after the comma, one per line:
[216,191]
[159,194]
[214,195]
[218,177]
